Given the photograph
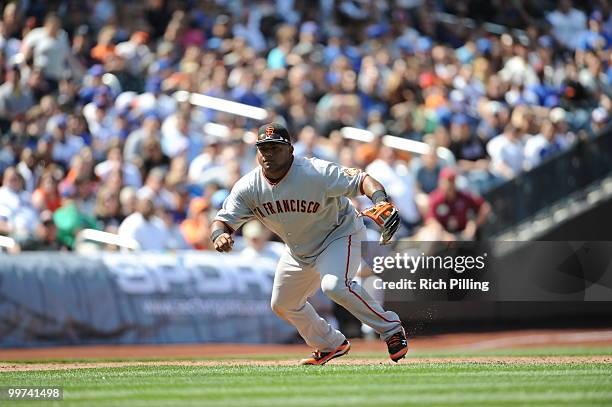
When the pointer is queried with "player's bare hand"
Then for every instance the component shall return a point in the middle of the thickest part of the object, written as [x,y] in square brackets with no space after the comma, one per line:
[224,243]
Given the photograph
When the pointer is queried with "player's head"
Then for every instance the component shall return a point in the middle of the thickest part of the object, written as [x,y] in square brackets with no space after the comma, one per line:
[274,149]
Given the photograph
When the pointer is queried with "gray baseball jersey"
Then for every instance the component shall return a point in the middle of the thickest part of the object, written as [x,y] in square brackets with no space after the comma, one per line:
[310,211]
[308,208]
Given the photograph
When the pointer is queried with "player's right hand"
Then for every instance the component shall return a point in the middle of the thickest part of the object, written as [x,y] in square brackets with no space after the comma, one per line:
[224,243]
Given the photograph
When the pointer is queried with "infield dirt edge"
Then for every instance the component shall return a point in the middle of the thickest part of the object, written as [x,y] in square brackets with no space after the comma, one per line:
[488,360]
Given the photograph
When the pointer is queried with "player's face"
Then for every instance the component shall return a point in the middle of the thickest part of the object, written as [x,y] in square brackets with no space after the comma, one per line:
[274,158]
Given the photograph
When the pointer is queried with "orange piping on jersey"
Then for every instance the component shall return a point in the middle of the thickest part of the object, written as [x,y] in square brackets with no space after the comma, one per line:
[346,282]
[361,184]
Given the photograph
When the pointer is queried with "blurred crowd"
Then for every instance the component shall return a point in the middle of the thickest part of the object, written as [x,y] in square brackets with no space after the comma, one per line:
[92,134]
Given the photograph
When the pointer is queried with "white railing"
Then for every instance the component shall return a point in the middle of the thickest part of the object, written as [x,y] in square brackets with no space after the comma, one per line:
[398,143]
[100,237]
[6,242]
[221,105]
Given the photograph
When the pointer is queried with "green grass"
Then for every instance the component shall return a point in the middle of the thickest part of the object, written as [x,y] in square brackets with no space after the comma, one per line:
[415,384]
[447,384]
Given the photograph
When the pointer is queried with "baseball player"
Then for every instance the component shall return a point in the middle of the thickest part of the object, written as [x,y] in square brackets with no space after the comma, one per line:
[305,202]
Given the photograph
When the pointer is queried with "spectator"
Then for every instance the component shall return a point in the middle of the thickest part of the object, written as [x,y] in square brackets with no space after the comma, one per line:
[153,157]
[144,227]
[50,49]
[543,146]
[308,145]
[494,118]
[77,126]
[105,48]
[174,184]
[155,190]
[154,99]
[27,168]
[595,38]
[11,20]
[599,120]
[174,236]
[243,92]
[205,161]
[81,45]
[108,209]
[285,37]
[196,228]
[47,196]
[81,167]
[130,173]
[256,240]
[568,24]
[134,144]
[83,196]
[65,146]
[470,152]
[428,173]
[70,220]
[15,98]
[176,138]
[93,84]
[454,214]
[128,199]
[15,206]
[507,153]
[44,236]
[518,71]
[558,116]
[135,52]
[468,149]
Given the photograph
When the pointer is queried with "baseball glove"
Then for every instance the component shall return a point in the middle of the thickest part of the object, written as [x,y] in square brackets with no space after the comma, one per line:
[386,216]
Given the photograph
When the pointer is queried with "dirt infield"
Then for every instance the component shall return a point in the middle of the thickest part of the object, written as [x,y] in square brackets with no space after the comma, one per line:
[243,354]
[348,361]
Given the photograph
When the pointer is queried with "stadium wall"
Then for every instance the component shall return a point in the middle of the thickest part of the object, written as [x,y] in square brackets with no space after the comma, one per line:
[62,299]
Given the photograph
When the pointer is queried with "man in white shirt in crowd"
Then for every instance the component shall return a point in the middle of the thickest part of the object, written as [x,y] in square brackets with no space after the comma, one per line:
[176,137]
[50,48]
[144,227]
[17,217]
[507,153]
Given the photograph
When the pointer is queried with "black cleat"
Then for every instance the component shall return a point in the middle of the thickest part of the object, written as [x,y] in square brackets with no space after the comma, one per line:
[397,345]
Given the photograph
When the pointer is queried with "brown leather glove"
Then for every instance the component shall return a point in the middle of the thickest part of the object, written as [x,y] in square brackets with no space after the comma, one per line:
[386,216]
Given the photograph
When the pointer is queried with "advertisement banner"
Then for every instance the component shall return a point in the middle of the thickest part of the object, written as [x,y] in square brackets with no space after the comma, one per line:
[129,298]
